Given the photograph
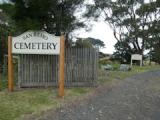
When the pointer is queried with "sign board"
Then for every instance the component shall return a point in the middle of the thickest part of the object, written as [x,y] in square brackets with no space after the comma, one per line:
[136,57]
[36,42]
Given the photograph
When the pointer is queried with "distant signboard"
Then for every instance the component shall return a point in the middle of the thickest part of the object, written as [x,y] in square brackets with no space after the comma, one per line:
[36,42]
[136,57]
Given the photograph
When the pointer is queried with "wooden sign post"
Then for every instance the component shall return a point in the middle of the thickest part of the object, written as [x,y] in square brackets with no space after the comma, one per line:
[61,77]
[10,65]
[27,43]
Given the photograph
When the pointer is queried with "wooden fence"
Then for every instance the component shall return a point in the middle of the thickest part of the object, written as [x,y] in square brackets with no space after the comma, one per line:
[81,65]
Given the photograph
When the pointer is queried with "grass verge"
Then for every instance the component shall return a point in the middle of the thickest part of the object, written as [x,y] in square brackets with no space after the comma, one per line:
[18,104]
[107,77]
[25,102]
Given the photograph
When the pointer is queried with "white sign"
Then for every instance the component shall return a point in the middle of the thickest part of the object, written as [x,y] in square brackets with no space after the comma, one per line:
[36,42]
[136,57]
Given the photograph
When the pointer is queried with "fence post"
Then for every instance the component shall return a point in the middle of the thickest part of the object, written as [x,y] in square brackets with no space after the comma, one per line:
[10,65]
[61,77]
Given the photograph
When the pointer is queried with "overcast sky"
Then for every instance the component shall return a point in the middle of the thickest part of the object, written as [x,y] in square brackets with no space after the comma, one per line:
[101,31]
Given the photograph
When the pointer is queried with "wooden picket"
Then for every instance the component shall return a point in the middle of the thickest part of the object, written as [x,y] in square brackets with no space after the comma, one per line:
[43,70]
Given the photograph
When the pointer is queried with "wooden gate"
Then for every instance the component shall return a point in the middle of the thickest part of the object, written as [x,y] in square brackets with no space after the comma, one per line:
[81,65]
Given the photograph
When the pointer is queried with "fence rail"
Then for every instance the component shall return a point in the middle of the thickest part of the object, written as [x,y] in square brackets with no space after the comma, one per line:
[43,70]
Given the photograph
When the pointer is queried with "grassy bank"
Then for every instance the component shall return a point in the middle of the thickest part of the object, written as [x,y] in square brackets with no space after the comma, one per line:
[33,101]
[107,77]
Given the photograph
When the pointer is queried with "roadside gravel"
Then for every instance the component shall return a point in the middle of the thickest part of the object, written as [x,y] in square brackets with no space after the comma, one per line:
[135,98]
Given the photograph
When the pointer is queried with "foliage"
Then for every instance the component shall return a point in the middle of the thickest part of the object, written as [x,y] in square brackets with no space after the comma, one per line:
[35,102]
[53,16]
[113,76]
[122,53]
[96,43]
[134,22]
[21,104]
[89,42]
[104,62]
[81,43]
[155,54]
[6,23]
[6,26]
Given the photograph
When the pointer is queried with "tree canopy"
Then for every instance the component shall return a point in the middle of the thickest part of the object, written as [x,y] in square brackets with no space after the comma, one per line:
[6,26]
[53,16]
[135,23]
[89,42]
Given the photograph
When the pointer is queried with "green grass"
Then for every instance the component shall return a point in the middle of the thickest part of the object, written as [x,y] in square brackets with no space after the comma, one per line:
[33,101]
[15,104]
[19,104]
[121,75]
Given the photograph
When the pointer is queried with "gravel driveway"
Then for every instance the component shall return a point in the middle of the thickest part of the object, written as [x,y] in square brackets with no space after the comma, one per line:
[136,98]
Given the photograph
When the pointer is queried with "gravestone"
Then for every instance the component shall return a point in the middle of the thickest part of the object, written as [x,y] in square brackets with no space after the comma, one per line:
[108,67]
[124,67]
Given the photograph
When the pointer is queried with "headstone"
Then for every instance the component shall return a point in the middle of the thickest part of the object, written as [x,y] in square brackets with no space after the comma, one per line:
[124,67]
[108,67]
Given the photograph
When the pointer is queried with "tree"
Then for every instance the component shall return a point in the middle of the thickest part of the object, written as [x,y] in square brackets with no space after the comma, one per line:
[154,30]
[155,54]
[122,54]
[89,42]
[53,16]
[96,43]
[6,26]
[131,22]
[81,43]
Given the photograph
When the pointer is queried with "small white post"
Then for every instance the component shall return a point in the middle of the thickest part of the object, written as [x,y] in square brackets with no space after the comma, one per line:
[131,61]
[141,63]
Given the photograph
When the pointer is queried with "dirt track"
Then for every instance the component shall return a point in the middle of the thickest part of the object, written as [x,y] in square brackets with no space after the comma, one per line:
[136,98]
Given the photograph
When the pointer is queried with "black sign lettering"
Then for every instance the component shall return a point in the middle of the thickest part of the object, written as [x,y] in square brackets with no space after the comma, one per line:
[33,46]
[35,34]
[22,46]
[54,45]
[15,45]
[28,46]
[49,46]
[30,35]
[38,44]
[44,46]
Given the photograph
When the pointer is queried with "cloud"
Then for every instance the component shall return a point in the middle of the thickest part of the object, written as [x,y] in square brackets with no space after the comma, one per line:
[100,31]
